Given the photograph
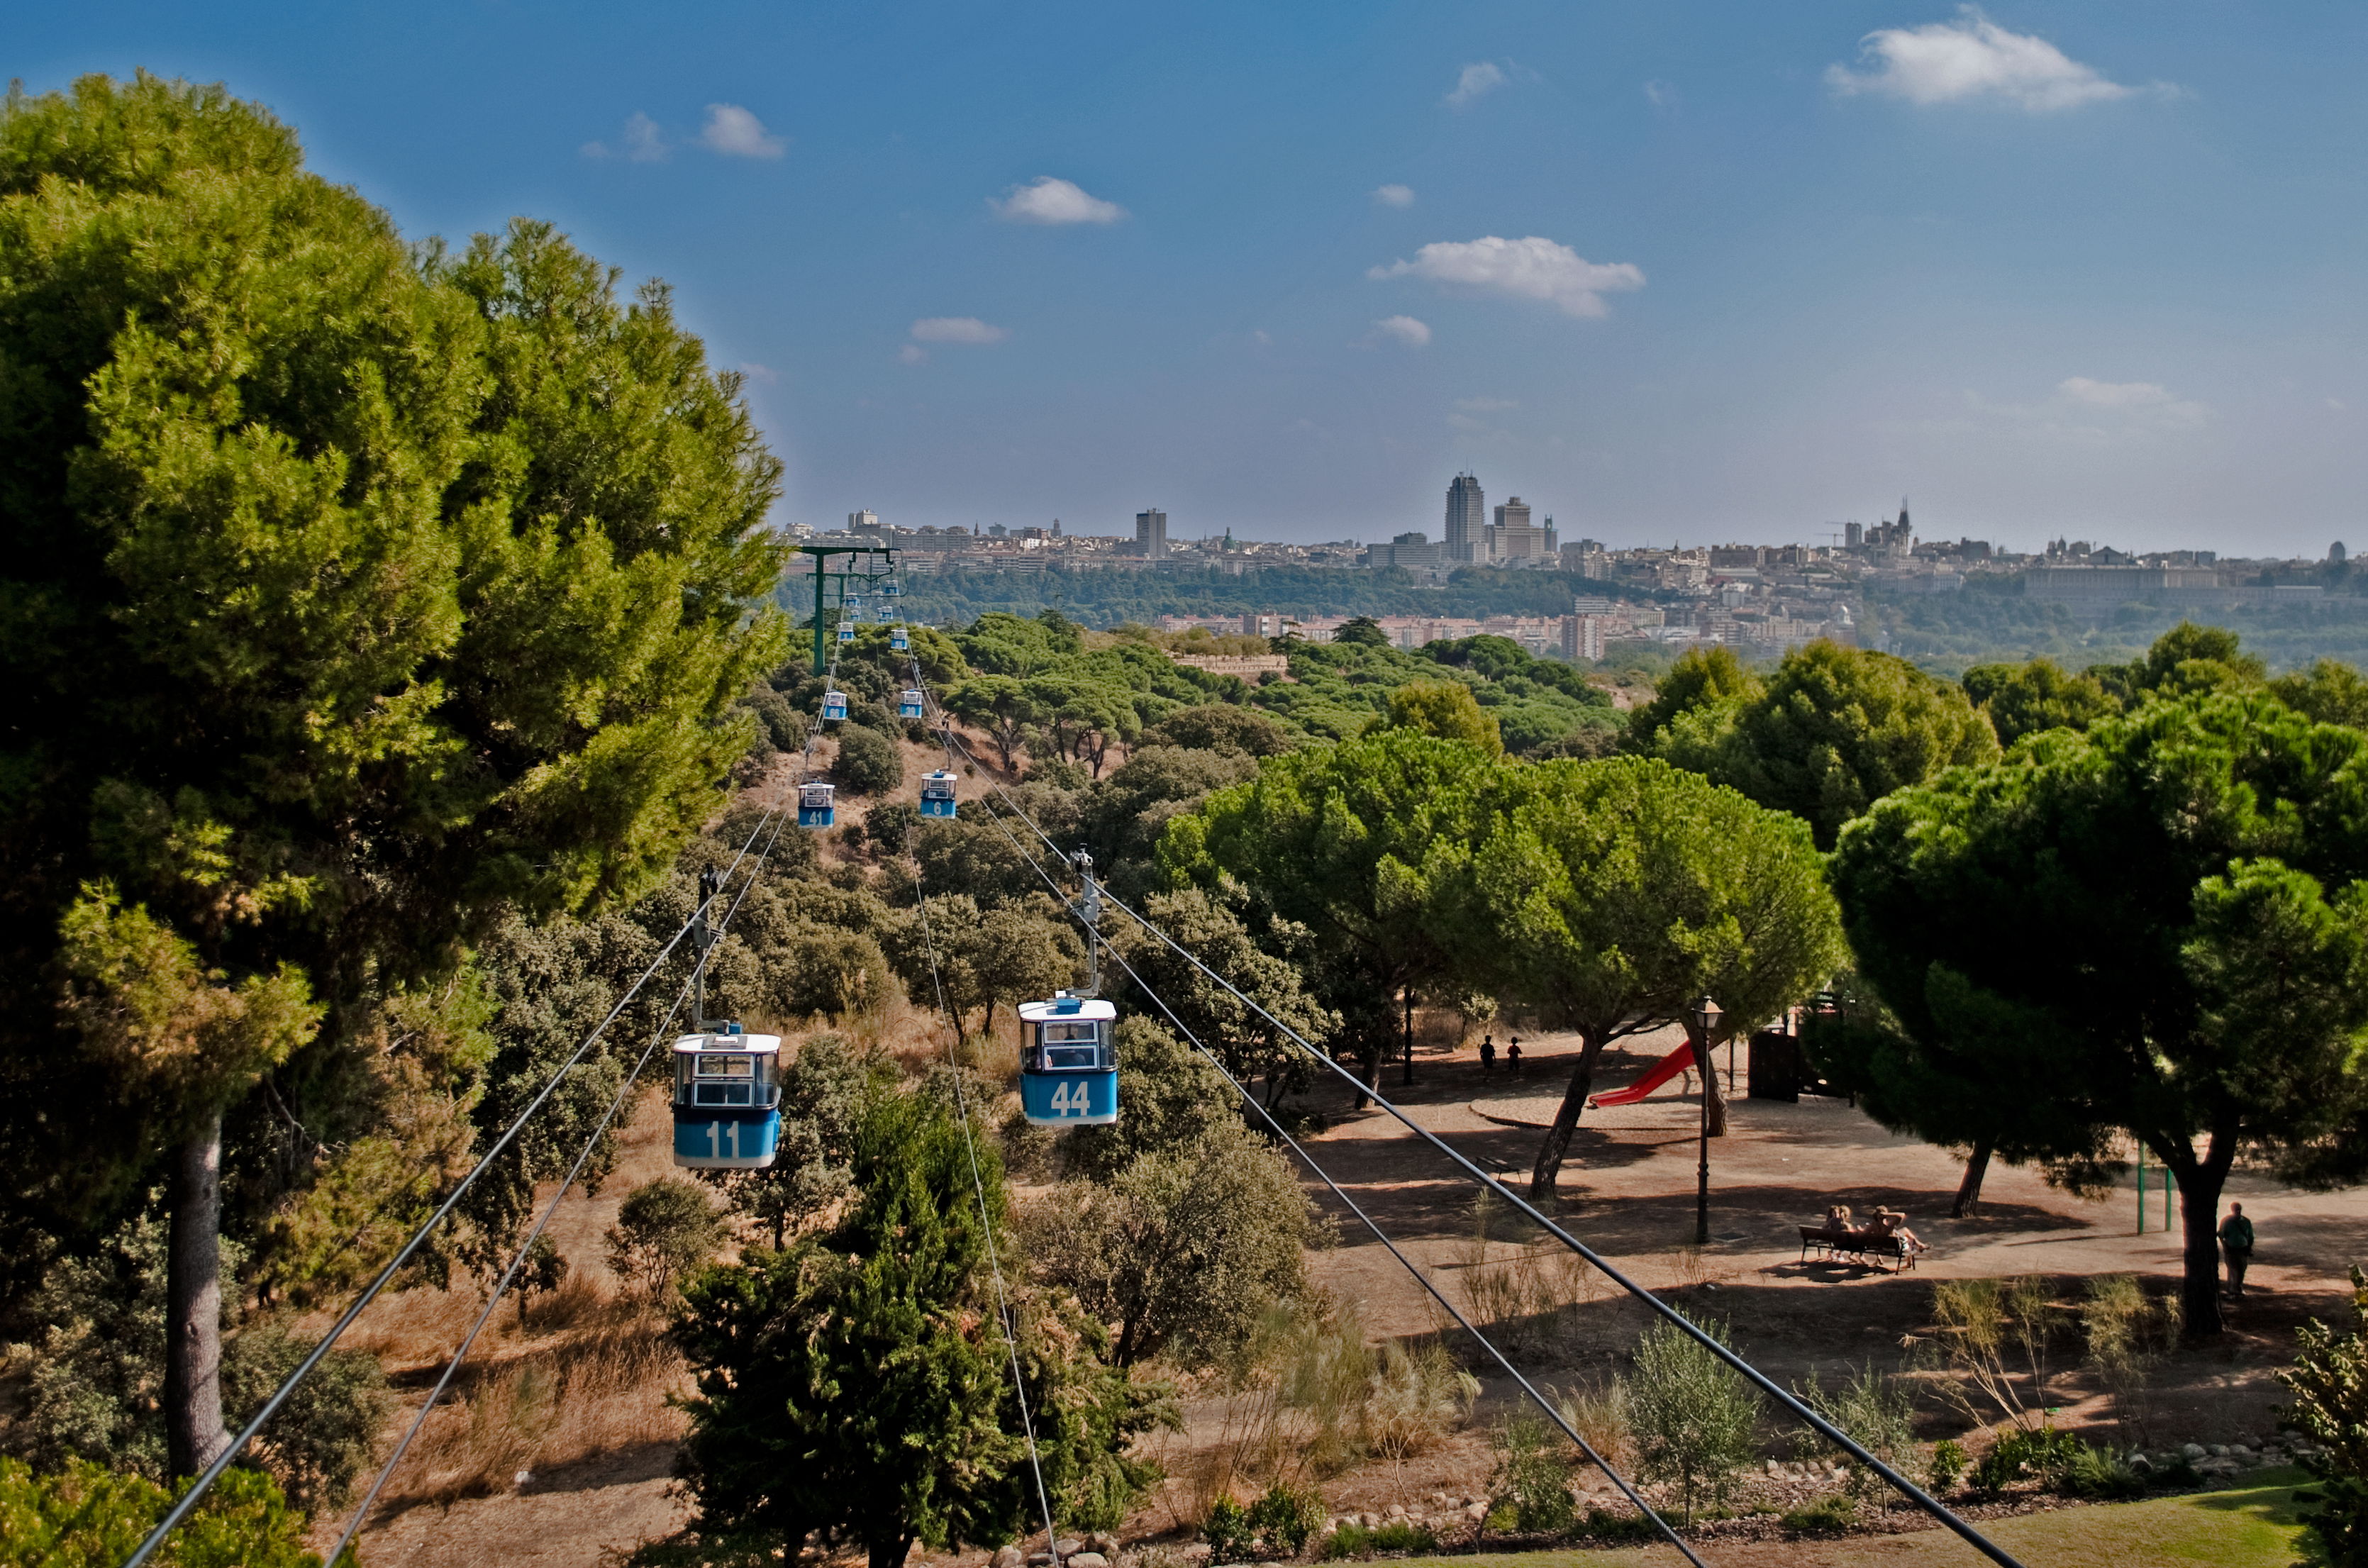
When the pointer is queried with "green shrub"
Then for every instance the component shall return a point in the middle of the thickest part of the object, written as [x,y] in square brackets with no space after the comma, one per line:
[2045,1456]
[2330,1381]
[1398,1535]
[1948,1466]
[1874,1411]
[84,1516]
[663,1230]
[868,762]
[1228,1532]
[1834,1511]
[2099,1474]
[1694,1418]
[1533,1476]
[1285,1517]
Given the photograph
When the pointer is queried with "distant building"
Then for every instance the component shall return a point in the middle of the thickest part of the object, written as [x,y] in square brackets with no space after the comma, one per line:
[1586,558]
[1412,551]
[1512,541]
[2335,554]
[1853,535]
[1467,521]
[1150,534]
[865,521]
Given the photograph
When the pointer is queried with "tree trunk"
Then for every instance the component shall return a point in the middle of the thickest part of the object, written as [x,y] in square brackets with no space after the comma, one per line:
[2199,1200]
[1715,1119]
[1407,993]
[1548,1169]
[1969,1191]
[891,1553]
[193,1304]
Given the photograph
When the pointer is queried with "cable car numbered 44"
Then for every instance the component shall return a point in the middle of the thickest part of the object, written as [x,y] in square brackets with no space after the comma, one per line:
[1068,1066]
[727,1099]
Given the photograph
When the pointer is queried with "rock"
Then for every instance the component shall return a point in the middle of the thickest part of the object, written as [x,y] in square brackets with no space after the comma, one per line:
[1103,1542]
[2218,1451]
[1040,1560]
[1087,1560]
[2141,1465]
[1009,1557]
[1476,1512]
[1068,1546]
[1196,1553]
[2193,1451]
[1395,1511]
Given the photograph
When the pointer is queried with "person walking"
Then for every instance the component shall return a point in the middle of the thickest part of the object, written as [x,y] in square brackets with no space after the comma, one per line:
[1513,1056]
[2237,1247]
[1487,1054]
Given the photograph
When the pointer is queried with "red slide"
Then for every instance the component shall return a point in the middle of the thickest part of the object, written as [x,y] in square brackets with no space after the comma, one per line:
[1667,1068]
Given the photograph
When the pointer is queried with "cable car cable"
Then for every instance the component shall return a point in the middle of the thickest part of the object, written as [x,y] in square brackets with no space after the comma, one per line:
[994,1261]
[1420,1277]
[198,1489]
[517,1259]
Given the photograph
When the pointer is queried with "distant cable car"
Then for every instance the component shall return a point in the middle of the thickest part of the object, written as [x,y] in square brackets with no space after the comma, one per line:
[912,705]
[728,1099]
[834,705]
[937,794]
[815,809]
[885,614]
[900,640]
[1068,1068]
[851,601]
[888,588]
[847,629]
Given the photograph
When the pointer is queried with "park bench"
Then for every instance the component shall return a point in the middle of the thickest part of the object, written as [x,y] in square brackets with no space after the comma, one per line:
[1839,1247]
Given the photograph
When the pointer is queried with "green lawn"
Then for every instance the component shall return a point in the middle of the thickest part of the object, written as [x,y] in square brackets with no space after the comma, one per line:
[2247,1527]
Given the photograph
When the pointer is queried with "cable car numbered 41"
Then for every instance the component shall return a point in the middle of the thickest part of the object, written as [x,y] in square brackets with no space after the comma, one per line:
[727,1099]
[1068,1066]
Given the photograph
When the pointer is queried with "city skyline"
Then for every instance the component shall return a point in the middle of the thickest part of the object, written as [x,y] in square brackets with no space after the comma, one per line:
[1733,270]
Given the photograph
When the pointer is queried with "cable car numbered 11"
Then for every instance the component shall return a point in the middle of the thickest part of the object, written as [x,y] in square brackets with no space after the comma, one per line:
[1068,1065]
[727,1099]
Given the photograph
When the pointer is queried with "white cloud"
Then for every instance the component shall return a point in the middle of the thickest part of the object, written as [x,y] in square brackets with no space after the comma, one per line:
[912,354]
[642,143]
[1395,195]
[1530,268]
[734,132]
[956,329]
[1473,84]
[1660,94]
[2143,402]
[763,375]
[1971,58]
[1049,201]
[1405,329]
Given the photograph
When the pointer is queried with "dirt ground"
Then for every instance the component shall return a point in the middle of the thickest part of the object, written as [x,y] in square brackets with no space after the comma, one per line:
[1628,1190]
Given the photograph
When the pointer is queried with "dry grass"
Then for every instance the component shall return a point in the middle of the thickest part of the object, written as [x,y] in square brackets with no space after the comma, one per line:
[1522,1295]
[592,1377]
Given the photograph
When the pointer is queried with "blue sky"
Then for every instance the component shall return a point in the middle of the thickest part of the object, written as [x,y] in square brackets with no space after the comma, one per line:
[1668,271]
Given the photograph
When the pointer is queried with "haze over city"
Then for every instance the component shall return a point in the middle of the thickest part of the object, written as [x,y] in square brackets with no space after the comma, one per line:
[1672,273]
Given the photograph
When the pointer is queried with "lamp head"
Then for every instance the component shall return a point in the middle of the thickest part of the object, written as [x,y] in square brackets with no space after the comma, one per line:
[1706,1016]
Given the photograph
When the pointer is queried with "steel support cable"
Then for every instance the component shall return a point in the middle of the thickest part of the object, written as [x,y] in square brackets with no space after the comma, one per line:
[198,1489]
[1420,1277]
[994,1261]
[1930,1505]
[517,1259]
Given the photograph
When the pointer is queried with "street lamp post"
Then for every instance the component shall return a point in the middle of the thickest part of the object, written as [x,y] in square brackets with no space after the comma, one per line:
[1704,1021]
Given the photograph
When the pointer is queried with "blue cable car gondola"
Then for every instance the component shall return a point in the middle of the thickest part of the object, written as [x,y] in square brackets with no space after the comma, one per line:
[888,588]
[1068,1066]
[727,1099]
[815,809]
[937,794]
[900,640]
[834,705]
[847,629]
[912,705]
[851,601]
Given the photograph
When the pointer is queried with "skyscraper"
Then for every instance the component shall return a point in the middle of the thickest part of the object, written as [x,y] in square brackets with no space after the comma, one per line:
[1513,541]
[1151,533]
[1467,518]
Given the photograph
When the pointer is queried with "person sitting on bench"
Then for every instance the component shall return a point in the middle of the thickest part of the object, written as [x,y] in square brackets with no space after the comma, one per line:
[1838,1221]
[1890,1224]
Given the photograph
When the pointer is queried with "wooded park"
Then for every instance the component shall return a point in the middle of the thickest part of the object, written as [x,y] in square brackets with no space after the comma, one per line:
[409,788]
